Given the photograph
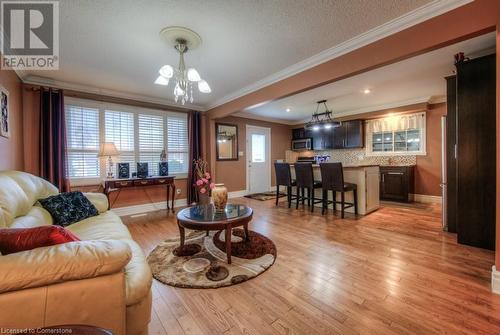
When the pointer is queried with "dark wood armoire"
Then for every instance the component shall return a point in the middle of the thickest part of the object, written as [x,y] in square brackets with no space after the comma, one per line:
[471,165]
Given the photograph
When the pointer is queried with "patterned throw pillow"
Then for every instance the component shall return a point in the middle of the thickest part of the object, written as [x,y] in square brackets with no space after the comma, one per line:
[68,208]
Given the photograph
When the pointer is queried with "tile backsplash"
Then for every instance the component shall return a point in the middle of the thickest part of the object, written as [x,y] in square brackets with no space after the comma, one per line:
[354,156]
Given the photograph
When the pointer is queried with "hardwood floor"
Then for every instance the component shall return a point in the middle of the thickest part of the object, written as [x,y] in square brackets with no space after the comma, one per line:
[391,272]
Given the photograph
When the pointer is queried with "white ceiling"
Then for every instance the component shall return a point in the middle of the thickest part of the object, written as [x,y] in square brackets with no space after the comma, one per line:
[415,80]
[114,45]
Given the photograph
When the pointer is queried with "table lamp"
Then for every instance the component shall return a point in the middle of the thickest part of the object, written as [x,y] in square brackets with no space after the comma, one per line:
[108,149]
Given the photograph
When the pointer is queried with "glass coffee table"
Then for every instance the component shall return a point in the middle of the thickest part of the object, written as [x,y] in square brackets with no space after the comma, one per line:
[207,218]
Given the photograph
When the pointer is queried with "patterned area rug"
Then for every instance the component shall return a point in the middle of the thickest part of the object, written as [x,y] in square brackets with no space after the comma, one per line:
[264,196]
[202,263]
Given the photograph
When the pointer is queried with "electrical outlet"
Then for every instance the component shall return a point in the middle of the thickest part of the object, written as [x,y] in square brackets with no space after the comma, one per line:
[178,191]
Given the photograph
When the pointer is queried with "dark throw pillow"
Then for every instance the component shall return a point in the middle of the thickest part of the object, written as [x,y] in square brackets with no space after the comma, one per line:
[68,208]
[21,239]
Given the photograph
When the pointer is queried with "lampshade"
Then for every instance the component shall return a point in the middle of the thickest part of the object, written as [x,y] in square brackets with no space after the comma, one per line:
[108,149]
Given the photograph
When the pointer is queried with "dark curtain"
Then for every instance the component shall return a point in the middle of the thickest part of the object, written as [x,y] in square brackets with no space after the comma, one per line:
[194,130]
[53,138]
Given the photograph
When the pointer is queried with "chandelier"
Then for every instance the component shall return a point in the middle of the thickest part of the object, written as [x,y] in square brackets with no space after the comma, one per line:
[182,78]
[322,120]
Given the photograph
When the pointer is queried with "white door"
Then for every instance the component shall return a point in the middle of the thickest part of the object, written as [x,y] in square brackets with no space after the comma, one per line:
[258,159]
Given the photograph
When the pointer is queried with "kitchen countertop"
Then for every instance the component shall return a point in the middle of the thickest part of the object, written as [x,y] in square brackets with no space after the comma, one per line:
[348,165]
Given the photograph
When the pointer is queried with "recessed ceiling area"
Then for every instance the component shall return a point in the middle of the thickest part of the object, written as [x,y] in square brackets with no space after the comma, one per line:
[114,45]
[415,80]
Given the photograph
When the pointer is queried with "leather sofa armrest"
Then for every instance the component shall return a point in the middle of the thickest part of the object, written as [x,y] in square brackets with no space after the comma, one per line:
[99,200]
[63,262]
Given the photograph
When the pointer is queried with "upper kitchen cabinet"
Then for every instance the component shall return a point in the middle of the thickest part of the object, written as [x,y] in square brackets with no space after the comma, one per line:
[349,135]
[298,134]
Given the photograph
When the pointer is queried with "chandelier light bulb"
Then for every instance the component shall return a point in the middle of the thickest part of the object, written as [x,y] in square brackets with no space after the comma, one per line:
[161,80]
[178,91]
[204,87]
[167,71]
[193,75]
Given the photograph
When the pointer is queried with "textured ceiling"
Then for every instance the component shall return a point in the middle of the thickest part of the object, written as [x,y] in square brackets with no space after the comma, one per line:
[115,44]
[410,81]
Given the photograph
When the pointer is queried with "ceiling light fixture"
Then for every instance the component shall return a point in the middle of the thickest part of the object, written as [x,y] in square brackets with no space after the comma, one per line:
[182,39]
[322,120]
[288,110]
[367,91]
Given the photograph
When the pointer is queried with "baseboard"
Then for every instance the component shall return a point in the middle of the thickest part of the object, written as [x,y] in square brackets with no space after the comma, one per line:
[237,194]
[154,206]
[426,199]
[144,208]
[495,280]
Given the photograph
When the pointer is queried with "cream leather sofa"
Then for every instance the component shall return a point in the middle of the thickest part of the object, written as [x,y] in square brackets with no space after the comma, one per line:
[104,280]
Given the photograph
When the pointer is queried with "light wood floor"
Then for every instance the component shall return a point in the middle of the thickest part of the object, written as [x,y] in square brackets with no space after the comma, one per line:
[391,272]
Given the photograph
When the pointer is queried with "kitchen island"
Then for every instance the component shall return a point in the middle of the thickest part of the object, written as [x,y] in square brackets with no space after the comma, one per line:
[367,179]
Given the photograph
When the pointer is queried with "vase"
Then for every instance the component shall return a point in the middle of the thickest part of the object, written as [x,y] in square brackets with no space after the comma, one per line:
[203,198]
[219,195]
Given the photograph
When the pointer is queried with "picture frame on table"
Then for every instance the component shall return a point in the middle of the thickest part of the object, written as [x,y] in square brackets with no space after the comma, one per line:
[4,113]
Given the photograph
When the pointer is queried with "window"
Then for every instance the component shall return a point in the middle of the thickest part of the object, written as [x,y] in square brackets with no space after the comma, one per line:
[151,141]
[139,134]
[119,129]
[177,139]
[258,148]
[82,136]
[396,135]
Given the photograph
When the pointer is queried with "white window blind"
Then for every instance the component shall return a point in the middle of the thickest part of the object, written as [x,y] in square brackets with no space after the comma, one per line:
[119,129]
[139,134]
[82,134]
[151,135]
[177,144]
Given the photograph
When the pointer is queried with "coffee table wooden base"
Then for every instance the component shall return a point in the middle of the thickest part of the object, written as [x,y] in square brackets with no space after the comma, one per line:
[229,233]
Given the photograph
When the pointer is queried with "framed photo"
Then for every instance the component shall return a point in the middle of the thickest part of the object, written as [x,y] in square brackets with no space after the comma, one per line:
[4,113]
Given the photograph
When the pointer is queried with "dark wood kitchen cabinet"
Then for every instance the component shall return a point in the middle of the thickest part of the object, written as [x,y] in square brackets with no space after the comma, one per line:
[298,134]
[349,135]
[396,182]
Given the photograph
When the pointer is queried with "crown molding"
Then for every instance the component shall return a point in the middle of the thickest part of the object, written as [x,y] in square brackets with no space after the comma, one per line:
[42,81]
[421,14]
[251,116]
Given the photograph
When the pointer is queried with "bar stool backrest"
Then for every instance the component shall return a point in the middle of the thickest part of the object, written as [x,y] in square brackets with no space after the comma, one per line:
[304,176]
[332,176]
[283,174]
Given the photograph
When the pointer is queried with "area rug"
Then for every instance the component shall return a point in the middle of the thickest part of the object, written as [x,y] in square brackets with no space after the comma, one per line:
[202,263]
[265,196]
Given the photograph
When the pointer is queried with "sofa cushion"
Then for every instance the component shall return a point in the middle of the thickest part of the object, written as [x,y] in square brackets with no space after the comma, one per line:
[14,240]
[13,201]
[69,207]
[36,217]
[106,226]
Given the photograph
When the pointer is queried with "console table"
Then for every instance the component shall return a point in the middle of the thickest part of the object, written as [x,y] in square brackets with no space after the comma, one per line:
[113,184]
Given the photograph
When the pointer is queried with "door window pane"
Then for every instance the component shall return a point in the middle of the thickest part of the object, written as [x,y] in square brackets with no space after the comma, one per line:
[258,148]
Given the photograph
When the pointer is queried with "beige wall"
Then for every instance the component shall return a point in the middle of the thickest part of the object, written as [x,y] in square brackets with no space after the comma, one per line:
[428,169]
[233,173]
[11,149]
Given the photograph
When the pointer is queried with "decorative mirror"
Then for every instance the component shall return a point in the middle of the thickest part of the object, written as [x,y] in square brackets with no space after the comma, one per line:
[227,141]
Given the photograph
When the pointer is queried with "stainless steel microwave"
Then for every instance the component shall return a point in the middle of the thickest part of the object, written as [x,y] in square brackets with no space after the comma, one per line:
[303,144]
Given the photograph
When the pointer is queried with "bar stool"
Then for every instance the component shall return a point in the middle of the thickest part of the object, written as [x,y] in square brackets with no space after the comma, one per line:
[304,178]
[332,177]
[284,178]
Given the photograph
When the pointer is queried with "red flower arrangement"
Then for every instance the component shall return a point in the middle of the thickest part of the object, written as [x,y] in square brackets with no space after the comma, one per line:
[203,177]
